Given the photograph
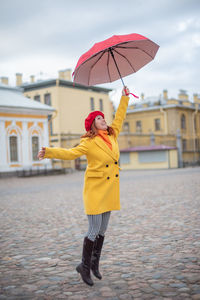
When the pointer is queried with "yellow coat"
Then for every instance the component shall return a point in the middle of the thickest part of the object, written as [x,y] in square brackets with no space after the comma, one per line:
[101,182]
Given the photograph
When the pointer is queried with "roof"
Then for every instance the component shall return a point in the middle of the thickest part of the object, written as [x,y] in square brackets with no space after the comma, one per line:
[12,98]
[61,82]
[156,107]
[10,88]
[159,102]
[147,148]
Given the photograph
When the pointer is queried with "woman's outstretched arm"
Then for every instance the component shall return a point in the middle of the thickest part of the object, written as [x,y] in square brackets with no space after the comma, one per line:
[62,153]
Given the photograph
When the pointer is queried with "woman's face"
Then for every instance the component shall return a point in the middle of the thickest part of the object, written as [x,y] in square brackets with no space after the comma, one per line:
[100,123]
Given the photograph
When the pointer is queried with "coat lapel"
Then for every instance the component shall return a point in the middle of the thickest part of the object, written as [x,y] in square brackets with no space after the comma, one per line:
[98,140]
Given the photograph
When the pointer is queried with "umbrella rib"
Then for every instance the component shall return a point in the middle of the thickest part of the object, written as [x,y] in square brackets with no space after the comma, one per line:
[94,65]
[125,59]
[135,48]
[108,66]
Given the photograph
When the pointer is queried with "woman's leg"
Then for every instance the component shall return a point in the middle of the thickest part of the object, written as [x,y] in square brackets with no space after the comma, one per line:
[104,223]
[98,244]
[88,244]
[95,222]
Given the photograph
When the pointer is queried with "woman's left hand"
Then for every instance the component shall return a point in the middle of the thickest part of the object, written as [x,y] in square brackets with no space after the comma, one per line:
[41,153]
[125,91]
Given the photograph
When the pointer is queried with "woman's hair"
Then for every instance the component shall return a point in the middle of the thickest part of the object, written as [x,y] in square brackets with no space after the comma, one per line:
[94,131]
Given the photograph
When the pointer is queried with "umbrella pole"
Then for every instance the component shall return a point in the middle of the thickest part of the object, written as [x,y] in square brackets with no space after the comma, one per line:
[112,54]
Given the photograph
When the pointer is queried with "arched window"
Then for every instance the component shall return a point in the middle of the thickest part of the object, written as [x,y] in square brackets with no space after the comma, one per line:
[183,122]
[35,147]
[13,148]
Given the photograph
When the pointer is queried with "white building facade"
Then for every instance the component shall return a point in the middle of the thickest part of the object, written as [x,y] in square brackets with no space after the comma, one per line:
[23,131]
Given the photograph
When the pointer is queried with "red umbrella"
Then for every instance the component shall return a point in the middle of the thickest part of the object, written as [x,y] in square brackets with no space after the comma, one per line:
[114,58]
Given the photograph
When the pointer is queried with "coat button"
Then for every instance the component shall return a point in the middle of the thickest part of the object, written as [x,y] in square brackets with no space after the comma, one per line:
[116,175]
[106,166]
[116,162]
[108,177]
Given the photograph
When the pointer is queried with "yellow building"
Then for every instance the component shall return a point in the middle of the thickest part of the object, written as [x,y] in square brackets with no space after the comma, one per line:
[160,121]
[72,103]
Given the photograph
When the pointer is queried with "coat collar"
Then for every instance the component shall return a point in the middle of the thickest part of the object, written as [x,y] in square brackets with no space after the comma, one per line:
[98,140]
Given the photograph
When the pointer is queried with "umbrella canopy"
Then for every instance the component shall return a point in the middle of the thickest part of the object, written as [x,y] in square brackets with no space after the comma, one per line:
[114,58]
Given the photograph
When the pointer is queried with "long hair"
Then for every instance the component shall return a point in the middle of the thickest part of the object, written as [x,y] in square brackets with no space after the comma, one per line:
[94,131]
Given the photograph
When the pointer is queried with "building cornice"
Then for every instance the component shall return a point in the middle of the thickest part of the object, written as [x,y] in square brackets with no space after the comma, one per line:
[62,83]
[24,111]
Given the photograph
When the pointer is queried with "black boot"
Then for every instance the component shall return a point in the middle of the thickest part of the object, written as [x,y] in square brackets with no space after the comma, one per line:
[84,267]
[96,253]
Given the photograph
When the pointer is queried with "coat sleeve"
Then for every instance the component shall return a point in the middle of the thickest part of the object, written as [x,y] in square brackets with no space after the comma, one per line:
[120,115]
[67,154]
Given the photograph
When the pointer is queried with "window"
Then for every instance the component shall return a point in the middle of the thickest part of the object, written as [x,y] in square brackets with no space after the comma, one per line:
[195,123]
[138,126]
[13,149]
[50,125]
[47,99]
[92,103]
[37,98]
[183,123]
[157,124]
[197,144]
[126,126]
[184,145]
[125,158]
[35,147]
[152,156]
[101,104]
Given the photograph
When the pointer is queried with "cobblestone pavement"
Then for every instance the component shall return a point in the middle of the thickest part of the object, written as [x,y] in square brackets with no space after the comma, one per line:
[151,249]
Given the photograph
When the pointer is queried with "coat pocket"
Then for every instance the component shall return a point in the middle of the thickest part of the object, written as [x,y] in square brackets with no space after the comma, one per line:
[94,174]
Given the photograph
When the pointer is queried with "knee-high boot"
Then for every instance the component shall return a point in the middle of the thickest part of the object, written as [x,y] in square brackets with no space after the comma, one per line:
[96,253]
[84,267]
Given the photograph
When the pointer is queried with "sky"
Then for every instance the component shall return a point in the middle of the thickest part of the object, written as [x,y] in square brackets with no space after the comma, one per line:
[41,37]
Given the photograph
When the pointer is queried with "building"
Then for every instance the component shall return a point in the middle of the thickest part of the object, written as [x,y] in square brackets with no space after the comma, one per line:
[72,103]
[161,121]
[23,130]
[149,157]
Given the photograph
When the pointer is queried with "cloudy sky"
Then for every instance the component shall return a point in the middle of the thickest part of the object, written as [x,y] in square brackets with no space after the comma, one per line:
[41,37]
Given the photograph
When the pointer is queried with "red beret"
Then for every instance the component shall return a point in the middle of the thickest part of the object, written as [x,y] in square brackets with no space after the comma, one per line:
[90,118]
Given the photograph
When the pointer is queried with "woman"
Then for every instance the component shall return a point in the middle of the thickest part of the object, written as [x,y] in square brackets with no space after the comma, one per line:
[101,183]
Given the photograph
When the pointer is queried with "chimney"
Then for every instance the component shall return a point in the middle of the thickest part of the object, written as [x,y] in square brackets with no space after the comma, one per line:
[165,96]
[4,80]
[183,95]
[32,78]
[18,79]
[196,98]
[65,74]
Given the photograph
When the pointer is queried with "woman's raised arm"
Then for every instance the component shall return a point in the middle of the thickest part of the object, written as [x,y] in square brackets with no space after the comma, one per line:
[121,111]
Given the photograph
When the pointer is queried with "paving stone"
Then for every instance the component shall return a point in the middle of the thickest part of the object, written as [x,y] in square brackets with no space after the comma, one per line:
[157,286]
[178,285]
[196,297]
